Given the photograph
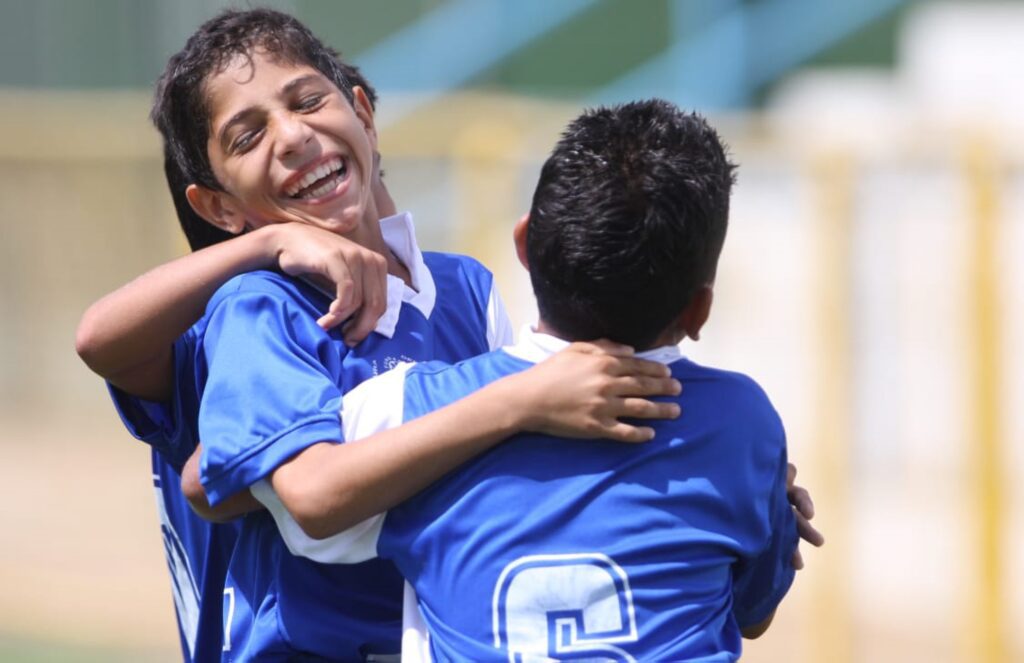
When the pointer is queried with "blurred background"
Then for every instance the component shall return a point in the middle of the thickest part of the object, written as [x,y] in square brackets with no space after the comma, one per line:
[873,279]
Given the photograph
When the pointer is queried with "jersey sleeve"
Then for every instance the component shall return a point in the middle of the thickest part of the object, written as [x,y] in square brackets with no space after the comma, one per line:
[371,407]
[761,581]
[351,546]
[270,392]
[415,636]
[499,325]
[168,427]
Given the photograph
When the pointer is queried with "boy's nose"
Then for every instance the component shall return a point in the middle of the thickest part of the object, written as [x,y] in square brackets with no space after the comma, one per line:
[293,135]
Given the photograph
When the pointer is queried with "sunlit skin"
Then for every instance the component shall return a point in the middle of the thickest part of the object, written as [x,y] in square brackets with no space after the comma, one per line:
[272,123]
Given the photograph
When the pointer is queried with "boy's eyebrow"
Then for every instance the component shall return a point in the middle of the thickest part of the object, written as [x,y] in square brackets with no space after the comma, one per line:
[296,82]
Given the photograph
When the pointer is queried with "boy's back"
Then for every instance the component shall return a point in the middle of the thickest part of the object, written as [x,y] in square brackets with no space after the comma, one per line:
[561,549]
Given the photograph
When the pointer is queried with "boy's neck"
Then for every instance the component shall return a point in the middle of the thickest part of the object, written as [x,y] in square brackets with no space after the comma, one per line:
[369,235]
[396,267]
[667,337]
[545,328]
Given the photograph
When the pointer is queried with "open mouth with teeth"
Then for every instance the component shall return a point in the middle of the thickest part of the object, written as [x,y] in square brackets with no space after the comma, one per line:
[320,181]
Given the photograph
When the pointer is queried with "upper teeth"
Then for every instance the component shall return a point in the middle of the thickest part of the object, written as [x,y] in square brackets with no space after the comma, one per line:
[321,171]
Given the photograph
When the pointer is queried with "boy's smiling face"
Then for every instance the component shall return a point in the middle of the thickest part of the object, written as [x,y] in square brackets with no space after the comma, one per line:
[286,145]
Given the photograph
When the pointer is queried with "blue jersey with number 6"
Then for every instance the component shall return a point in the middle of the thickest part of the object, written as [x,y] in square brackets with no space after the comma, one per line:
[570,549]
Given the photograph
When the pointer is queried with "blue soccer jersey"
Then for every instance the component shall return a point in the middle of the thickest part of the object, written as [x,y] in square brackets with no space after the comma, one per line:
[197,551]
[565,549]
[270,383]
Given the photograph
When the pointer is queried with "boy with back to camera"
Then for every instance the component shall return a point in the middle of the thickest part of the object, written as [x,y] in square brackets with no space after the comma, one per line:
[264,125]
[671,550]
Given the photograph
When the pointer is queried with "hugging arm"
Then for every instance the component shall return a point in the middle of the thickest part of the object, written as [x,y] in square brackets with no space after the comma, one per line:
[580,392]
[126,337]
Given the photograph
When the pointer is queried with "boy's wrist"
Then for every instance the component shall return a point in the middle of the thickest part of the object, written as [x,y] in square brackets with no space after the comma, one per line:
[268,244]
[516,409]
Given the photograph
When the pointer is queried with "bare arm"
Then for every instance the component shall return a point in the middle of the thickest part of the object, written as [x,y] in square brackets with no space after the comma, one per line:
[580,392]
[237,505]
[126,337]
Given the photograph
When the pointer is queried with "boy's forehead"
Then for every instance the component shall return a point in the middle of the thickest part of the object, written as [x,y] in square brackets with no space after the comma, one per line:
[248,78]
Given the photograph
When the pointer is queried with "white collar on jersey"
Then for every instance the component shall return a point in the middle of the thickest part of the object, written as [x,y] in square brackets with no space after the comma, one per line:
[535,347]
[400,236]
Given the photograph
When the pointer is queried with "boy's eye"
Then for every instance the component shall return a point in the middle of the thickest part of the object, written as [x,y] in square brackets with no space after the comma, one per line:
[244,141]
[310,102]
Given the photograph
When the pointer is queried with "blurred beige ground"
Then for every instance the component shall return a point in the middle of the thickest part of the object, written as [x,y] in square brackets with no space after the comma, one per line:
[81,560]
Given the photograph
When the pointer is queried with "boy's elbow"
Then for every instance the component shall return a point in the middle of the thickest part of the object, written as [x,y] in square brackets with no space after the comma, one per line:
[315,515]
[318,501]
[195,495]
[315,527]
[755,631]
[87,341]
[96,348]
[191,487]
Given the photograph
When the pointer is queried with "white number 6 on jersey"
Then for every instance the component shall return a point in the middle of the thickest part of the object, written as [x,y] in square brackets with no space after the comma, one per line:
[556,606]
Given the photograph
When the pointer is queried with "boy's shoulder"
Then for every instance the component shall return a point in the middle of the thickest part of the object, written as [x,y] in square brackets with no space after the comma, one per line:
[735,396]
[493,361]
[466,298]
[450,268]
[269,284]
[434,384]
[453,261]
[719,378]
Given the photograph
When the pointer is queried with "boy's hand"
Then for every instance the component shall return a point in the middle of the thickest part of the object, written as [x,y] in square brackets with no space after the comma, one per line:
[583,391]
[357,275]
[803,509]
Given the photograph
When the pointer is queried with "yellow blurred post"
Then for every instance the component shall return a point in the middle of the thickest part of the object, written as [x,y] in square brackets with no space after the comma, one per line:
[987,638]
[831,625]
[487,155]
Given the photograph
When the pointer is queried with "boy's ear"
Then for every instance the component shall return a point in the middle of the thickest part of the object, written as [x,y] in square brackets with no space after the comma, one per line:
[519,238]
[696,313]
[216,208]
[364,111]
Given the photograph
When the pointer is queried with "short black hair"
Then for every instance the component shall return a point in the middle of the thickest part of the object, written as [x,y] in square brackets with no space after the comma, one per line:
[181,111]
[627,222]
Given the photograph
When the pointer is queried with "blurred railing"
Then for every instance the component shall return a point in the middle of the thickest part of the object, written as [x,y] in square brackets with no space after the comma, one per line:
[723,52]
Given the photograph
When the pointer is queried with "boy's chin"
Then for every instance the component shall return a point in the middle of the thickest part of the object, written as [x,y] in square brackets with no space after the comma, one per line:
[344,224]
[338,221]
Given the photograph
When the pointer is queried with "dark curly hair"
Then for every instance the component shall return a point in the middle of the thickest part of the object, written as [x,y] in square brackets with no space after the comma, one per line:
[627,222]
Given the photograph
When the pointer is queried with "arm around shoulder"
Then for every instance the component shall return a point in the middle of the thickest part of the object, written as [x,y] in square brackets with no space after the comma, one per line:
[126,336]
[580,392]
